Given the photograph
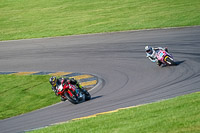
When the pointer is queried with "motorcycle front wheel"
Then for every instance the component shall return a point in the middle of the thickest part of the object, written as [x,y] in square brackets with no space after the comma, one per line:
[72,99]
[170,61]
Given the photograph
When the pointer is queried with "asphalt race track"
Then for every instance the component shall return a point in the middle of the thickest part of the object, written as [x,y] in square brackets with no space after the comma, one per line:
[126,76]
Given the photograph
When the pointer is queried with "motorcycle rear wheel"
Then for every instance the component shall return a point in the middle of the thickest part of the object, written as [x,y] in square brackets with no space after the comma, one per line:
[87,95]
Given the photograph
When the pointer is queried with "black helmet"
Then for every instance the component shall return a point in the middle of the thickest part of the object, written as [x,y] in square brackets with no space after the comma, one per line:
[52,80]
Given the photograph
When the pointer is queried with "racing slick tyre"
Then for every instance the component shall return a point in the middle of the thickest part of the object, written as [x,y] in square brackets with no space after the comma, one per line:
[87,94]
[73,99]
[170,61]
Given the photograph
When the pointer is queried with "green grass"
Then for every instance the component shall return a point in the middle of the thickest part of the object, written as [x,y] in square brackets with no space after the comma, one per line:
[177,115]
[22,94]
[21,19]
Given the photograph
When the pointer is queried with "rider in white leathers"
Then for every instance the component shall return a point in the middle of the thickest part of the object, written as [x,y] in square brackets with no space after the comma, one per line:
[151,53]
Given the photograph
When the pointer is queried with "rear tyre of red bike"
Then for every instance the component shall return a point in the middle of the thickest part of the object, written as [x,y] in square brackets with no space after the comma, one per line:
[87,95]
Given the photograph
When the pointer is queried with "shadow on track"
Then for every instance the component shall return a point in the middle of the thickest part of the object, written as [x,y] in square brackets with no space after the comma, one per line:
[179,62]
[176,64]
[95,97]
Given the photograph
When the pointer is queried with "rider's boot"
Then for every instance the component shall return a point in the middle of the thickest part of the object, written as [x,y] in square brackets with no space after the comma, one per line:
[159,63]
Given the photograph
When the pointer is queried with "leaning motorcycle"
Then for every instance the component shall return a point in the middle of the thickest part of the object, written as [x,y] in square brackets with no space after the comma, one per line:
[165,57]
[68,93]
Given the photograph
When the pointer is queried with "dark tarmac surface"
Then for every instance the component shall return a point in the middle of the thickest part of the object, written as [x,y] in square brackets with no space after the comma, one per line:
[127,77]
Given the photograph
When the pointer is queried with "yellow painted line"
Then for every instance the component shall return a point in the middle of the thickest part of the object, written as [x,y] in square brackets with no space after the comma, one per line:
[95,115]
[60,73]
[84,117]
[90,116]
[88,83]
[108,112]
[24,73]
[82,77]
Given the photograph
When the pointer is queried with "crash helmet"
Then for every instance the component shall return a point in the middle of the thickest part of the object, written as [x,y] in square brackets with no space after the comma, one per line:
[53,80]
[149,49]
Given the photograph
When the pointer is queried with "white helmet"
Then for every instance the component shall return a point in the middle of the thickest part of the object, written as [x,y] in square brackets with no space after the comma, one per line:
[149,49]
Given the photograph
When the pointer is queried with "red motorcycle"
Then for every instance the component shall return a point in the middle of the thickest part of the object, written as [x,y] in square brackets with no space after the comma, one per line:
[73,93]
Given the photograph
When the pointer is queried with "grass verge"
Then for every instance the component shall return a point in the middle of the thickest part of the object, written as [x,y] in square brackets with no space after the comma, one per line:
[180,114]
[22,94]
[21,19]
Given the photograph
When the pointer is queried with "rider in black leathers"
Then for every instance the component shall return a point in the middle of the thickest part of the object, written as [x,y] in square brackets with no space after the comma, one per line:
[54,81]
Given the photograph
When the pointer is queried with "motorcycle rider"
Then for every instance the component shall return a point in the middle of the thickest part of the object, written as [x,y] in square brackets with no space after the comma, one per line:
[151,53]
[54,81]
